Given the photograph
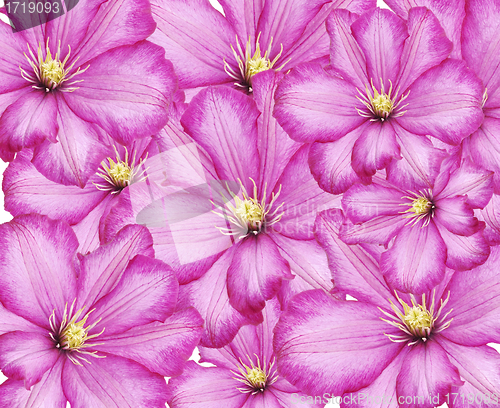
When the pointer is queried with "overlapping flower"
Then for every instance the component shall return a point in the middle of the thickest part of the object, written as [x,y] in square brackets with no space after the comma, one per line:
[307,191]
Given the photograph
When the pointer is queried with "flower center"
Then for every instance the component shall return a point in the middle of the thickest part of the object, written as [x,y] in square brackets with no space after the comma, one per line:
[50,72]
[71,335]
[255,378]
[249,64]
[416,321]
[421,206]
[248,215]
[381,105]
[119,174]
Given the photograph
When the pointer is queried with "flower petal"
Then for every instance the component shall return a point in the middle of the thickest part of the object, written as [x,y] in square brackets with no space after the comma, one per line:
[170,344]
[427,371]
[126,91]
[206,387]
[381,35]
[27,356]
[103,268]
[77,154]
[146,292]
[37,271]
[421,161]
[312,105]
[255,273]
[27,191]
[465,252]
[415,263]
[346,57]
[444,102]
[319,345]
[331,164]
[375,149]
[12,322]
[30,120]
[426,47]
[113,382]
[197,39]
[224,122]
[456,216]
[209,296]
[47,393]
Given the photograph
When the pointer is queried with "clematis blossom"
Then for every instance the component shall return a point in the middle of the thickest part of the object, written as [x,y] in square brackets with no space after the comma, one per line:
[97,331]
[433,227]
[245,373]
[431,347]
[389,84]
[247,225]
[210,48]
[67,83]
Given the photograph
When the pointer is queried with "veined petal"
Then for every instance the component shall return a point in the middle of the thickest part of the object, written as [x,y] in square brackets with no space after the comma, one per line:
[11,58]
[478,366]
[146,292]
[197,39]
[378,230]
[27,191]
[314,106]
[415,263]
[464,252]
[209,296]
[471,180]
[37,268]
[224,122]
[484,147]
[381,35]
[375,149]
[426,47]
[77,154]
[346,57]
[420,164]
[302,198]
[30,120]
[444,102]
[243,15]
[103,268]
[480,47]
[474,304]
[206,387]
[10,322]
[47,393]
[330,163]
[427,371]
[456,215]
[113,382]
[126,91]
[255,273]
[319,344]
[27,356]
[169,343]
[354,270]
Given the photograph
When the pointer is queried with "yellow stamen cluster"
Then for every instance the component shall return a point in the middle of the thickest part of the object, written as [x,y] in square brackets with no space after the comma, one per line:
[421,207]
[381,105]
[50,72]
[72,335]
[249,215]
[249,64]
[119,174]
[416,321]
[254,377]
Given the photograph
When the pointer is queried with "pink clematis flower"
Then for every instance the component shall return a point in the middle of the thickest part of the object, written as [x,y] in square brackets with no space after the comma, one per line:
[210,48]
[432,227]
[407,350]
[97,331]
[66,82]
[247,224]
[245,373]
[390,83]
